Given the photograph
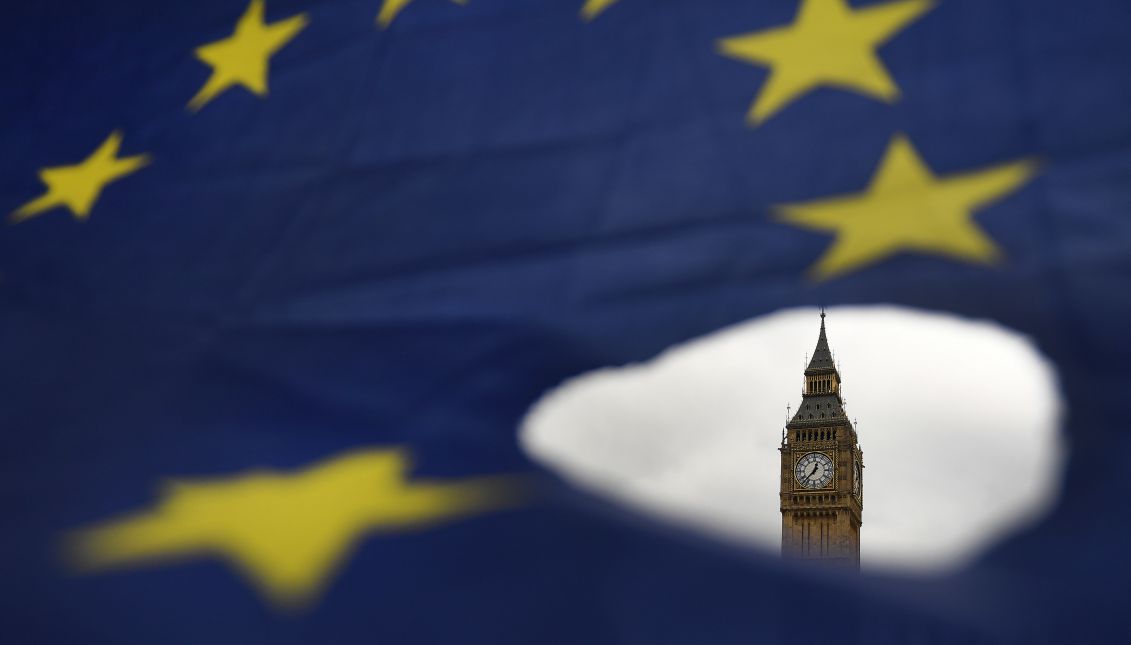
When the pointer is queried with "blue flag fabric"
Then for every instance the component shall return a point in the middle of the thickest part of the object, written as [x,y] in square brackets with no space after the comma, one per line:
[264,259]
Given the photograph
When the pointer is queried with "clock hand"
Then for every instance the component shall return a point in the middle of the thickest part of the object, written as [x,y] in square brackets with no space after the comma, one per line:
[811,471]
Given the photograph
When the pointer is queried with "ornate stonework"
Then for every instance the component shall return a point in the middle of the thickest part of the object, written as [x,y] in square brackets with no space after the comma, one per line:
[821,514]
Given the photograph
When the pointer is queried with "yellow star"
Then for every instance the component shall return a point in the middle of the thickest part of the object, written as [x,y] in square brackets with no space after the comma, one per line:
[288,533]
[390,9]
[906,207]
[593,8]
[830,44]
[77,187]
[242,58]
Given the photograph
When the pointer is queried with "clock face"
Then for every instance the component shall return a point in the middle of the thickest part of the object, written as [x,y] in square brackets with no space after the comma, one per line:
[856,478]
[814,470]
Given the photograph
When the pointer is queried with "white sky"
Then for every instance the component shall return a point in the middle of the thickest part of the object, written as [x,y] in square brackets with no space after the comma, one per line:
[957,419]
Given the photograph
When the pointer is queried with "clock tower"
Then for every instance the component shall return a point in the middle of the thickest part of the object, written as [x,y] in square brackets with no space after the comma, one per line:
[822,468]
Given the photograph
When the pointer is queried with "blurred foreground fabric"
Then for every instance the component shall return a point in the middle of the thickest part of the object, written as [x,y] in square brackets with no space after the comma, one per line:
[279,280]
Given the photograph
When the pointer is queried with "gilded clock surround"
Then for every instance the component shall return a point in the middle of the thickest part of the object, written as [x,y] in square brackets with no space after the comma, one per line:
[817,455]
[822,523]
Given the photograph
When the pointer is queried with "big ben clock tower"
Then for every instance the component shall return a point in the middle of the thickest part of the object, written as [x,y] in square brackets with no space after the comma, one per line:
[822,495]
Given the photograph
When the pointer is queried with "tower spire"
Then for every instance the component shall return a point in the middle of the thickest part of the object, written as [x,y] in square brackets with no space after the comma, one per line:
[822,356]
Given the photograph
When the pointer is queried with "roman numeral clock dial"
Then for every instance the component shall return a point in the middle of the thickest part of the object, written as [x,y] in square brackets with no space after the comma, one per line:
[814,470]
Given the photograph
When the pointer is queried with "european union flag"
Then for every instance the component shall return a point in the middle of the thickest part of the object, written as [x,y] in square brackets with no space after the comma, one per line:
[280,278]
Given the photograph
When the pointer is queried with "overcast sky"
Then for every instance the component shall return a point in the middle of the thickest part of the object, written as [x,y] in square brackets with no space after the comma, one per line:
[957,420]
